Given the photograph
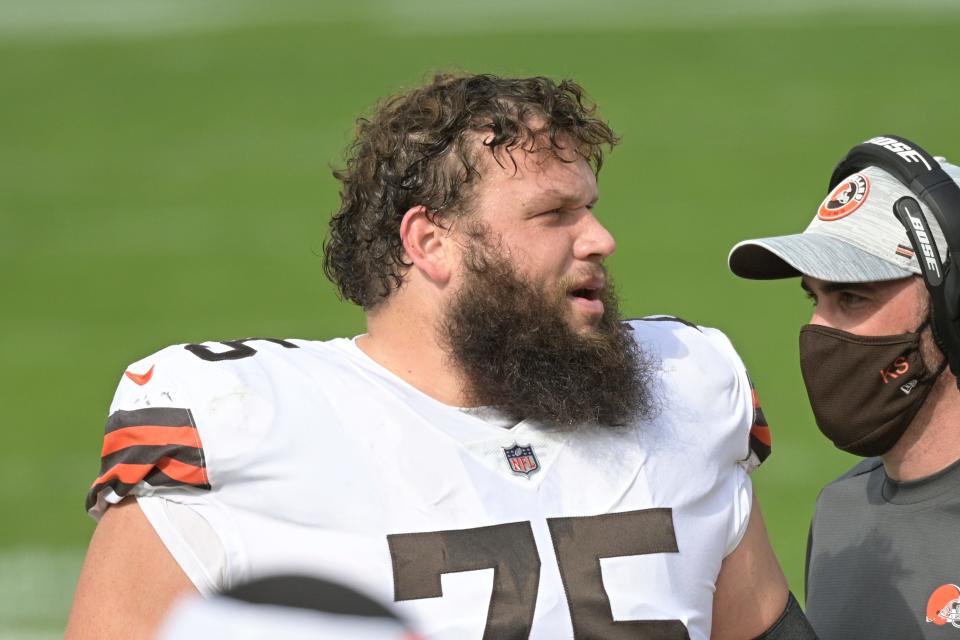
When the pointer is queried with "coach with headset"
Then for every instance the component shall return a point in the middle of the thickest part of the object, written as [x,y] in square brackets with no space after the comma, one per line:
[880,359]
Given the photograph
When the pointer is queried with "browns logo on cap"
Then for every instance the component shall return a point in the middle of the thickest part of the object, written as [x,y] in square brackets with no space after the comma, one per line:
[845,198]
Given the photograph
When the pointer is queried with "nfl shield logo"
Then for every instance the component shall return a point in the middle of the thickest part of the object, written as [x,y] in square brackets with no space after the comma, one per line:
[522,459]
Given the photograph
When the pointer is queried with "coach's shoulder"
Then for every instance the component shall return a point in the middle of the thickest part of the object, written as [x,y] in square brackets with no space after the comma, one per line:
[852,485]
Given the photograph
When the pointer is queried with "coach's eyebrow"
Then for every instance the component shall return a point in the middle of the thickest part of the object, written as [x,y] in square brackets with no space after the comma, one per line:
[833,287]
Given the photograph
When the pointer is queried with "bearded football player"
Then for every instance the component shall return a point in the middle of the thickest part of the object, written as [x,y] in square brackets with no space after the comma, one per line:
[499,454]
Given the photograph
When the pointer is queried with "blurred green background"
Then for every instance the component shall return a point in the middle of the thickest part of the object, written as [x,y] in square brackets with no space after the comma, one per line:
[165,178]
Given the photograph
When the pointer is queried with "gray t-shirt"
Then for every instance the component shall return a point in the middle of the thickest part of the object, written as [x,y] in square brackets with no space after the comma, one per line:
[879,549]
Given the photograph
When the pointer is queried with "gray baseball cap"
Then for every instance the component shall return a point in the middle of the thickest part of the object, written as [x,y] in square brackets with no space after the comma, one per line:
[854,237]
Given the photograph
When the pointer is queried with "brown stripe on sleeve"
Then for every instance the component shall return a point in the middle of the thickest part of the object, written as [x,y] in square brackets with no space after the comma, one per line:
[179,472]
[152,453]
[123,478]
[152,416]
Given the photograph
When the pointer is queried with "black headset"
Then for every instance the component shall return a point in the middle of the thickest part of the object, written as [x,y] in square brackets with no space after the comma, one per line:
[924,176]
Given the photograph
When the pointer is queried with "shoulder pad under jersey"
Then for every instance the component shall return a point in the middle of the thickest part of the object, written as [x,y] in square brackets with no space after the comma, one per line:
[707,371]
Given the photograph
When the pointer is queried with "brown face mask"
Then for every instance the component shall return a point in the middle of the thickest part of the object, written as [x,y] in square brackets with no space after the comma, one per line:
[864,390]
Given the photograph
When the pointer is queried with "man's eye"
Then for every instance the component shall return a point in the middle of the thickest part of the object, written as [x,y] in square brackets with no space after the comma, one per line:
[850,299]
[809,295]
[553,213]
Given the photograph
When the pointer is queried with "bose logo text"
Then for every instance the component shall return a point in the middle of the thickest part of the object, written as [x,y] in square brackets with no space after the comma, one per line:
[902,149]
[925,244]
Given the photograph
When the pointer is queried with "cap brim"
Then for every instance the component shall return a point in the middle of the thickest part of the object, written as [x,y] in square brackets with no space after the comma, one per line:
[811,254]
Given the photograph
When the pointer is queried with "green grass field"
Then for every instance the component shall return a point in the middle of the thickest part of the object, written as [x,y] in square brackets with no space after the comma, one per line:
[165,177]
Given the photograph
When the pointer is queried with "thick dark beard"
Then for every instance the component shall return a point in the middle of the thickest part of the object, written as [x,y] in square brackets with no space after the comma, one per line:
[518,353]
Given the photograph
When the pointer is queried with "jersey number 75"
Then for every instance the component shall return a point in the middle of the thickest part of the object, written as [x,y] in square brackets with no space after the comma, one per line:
[419,559]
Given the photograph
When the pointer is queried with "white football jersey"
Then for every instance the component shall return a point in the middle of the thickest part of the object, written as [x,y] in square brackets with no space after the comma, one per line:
[305,456]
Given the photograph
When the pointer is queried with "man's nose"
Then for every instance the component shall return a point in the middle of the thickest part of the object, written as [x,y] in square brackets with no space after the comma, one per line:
[594,242]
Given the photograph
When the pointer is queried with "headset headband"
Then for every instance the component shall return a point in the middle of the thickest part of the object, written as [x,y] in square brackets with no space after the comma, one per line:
[924,176]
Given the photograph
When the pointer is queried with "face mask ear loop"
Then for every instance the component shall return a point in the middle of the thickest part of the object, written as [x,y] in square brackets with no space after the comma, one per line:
[928,322]
[937,341]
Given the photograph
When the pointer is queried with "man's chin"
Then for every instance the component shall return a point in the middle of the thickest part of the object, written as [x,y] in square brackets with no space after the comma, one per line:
[585,319]
[585,328]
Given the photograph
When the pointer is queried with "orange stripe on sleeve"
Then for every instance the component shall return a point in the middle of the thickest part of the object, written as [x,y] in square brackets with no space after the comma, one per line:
[762,434]
[149,435]
[152,436]
[183,472]
[128,473]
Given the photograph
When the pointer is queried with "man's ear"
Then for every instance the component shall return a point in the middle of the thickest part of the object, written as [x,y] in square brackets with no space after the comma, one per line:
[427,244]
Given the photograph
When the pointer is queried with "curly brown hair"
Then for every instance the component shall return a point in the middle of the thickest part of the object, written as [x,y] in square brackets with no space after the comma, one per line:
[419,148]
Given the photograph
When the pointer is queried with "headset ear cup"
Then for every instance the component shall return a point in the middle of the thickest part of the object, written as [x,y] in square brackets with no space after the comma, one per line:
[931,184]
[952,303]
[945,313]
[937,336]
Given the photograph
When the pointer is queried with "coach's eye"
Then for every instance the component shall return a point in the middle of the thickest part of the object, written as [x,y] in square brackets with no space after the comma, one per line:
[850,299]
[811,296]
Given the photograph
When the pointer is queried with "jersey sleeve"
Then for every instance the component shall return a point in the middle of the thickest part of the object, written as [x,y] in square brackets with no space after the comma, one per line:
[754,436]
[761,440]
[151,442]
[711,376]
[179,424]
[188,425]
[751,439]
